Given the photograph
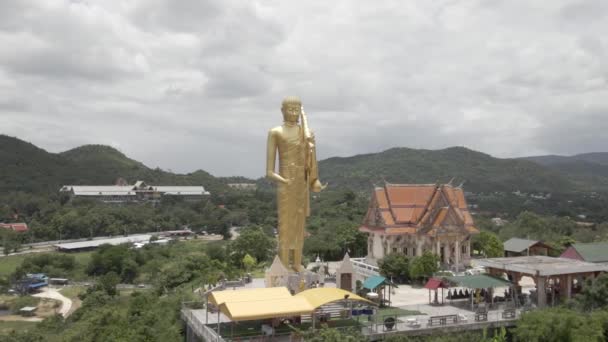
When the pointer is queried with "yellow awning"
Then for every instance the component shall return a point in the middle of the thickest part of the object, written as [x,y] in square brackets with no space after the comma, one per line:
[324,295]
[247,311]
[247,295]
[275,302]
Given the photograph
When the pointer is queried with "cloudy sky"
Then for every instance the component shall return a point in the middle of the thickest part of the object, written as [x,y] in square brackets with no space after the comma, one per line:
[194,84]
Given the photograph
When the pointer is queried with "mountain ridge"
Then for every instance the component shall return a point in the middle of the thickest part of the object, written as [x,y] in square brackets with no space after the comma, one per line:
[480,171]
[30,168]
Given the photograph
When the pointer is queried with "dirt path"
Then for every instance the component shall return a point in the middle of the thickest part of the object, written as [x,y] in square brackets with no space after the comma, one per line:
[17,318]
[54,294]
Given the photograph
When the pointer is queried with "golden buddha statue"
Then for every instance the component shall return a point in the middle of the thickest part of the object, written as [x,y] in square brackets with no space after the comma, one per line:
[297,174]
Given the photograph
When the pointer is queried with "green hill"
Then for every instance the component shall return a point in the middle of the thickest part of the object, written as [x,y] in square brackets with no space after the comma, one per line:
[481,172]
[31,169]
[587,170]
[599,158]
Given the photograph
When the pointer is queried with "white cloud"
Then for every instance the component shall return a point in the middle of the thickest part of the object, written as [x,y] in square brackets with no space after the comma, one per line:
[196,84]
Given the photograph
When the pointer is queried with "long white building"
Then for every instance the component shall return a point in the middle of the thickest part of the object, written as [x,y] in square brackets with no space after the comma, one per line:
[138,192]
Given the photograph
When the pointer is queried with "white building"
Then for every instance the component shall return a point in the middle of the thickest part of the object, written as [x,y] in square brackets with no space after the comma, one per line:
[138,192]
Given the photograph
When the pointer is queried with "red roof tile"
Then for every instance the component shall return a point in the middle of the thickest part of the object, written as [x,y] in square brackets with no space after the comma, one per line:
[416,206]
[18,227]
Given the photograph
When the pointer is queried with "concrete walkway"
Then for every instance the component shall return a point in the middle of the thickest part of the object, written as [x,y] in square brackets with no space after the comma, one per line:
[54,294]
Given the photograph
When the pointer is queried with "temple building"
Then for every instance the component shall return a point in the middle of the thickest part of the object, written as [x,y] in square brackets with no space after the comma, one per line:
[415,218]
[138,192]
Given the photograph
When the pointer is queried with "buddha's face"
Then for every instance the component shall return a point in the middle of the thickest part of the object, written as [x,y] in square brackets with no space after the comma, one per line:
[291,112]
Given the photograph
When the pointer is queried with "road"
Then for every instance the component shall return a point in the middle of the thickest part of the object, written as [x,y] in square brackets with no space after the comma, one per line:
[48,246]
[51,293]
[234,233]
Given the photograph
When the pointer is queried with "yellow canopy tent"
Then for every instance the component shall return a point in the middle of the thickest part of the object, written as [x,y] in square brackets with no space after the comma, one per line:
[220,297]
[273,302]
[324,295]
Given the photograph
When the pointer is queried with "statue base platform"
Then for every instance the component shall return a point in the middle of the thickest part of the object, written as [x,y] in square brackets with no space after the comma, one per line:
[278,275]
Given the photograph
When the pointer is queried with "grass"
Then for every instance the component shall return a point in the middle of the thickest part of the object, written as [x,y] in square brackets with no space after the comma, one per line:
[72,292]
[8,264]
[6,327]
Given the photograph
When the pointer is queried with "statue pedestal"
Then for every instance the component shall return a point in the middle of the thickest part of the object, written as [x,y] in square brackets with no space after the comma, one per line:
[278,275]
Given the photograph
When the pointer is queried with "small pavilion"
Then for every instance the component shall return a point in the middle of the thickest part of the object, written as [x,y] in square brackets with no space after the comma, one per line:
[479,282]
[559,276]
[434,284]
[378,284]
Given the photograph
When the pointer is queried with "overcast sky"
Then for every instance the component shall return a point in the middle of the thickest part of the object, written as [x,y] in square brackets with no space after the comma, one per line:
[194,84]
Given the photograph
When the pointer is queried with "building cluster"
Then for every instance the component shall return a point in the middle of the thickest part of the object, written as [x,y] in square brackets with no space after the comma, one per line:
[138,192]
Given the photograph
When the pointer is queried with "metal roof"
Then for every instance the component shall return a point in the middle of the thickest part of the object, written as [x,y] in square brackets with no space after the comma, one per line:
[434,284]
[375,281]
[542,265]
[99,242]
[518,245]
[124,190]
[592,252]
[480,281]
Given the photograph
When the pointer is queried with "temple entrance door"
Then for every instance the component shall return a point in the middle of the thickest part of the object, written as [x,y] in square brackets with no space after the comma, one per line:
[346,281]
[442,257]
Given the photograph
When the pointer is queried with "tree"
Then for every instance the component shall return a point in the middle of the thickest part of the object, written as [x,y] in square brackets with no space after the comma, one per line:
[10,241]
[594,294]
[557,324]
[215,251]
[326,334]
[424,266]
[53,265]
[255,242]
[248,262]
[117,259]
[488,244]
[107,283]
[395,266]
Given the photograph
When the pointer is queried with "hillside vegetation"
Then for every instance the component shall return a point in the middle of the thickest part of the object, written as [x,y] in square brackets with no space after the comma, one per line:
[588,170]
[481,172]
[31,169]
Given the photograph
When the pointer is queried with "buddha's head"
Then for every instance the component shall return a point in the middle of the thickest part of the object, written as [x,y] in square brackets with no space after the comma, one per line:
[291,109]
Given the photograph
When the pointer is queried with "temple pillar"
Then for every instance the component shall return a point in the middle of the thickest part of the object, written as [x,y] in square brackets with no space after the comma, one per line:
[541,284]
[438,243]
[568,286]
[448,252]
[457,250]
[418,247]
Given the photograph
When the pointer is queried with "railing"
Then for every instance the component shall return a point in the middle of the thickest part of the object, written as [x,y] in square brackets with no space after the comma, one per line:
[420,324]
[364,268]
[201,330]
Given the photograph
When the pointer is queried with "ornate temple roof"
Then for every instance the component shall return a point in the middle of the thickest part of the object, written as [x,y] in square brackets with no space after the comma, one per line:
[397,209]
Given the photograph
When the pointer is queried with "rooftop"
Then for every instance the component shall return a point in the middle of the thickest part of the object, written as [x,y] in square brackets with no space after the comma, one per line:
[408,208]
[132,190]
[263,303]
[99,242]
[592,252]
[542,265]
[519,245]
